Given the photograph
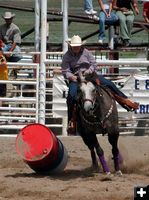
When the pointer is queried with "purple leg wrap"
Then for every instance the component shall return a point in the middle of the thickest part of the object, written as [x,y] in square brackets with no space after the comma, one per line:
[104,164]
[120,158]
[117,161]
[116,164]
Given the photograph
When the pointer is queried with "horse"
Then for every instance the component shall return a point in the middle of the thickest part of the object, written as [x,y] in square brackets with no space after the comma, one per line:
[96,112]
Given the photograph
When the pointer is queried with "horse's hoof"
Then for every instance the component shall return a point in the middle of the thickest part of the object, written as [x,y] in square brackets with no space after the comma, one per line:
[119,173]
[96,167]
[109,174]
[107,177]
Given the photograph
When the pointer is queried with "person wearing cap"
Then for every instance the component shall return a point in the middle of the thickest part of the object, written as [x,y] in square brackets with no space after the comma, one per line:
[146,11]
[10,38]
[78,58]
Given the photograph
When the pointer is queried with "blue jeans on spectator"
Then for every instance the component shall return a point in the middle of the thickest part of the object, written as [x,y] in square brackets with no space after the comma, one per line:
[16,52]
[88,5]
[105,20]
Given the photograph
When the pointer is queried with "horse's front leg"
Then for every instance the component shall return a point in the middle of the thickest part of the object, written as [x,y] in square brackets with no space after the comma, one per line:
[113,140]
[94,159]
[103,162]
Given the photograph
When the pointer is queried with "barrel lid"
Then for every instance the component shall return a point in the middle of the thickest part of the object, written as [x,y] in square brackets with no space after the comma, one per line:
[34,142]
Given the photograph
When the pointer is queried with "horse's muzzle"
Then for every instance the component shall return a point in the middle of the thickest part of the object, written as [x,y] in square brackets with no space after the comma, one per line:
[88,104]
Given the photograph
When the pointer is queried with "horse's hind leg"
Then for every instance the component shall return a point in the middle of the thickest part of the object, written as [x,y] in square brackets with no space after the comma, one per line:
[113,139]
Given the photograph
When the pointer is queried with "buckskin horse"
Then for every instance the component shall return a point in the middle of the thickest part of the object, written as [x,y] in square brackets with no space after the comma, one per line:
[97,113]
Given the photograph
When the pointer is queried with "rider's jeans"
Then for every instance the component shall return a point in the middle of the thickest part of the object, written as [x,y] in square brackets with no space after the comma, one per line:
[111,86]
[73,90]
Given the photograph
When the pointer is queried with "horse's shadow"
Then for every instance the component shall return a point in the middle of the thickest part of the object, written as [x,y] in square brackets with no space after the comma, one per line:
[66,175]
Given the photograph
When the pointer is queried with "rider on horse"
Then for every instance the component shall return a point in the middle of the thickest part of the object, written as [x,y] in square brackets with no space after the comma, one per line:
[79,58]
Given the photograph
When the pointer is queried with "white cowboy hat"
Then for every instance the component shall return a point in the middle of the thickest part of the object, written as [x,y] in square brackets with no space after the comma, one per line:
[8,15]
[75,41]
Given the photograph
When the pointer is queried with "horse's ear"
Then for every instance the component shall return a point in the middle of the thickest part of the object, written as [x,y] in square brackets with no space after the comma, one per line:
[80,78]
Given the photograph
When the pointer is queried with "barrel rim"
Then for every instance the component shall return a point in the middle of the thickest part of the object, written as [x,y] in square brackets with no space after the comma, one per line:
[49,149]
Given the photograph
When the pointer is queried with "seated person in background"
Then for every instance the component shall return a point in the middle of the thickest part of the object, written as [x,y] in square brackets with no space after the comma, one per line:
[106,15]
[79,58]
[125,11]
[146,11]
[10,38]
[3,75]
[88,7]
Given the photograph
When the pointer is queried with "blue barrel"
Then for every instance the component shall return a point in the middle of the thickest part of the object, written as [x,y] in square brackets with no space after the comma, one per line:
[41,149]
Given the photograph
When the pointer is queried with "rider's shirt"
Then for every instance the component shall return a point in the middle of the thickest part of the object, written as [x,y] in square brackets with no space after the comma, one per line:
[72,63]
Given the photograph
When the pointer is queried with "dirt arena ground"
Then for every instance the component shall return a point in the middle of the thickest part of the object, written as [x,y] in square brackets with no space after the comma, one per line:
[19,182]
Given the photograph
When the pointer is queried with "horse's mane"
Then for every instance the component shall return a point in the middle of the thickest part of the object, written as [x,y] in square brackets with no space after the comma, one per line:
[93,77]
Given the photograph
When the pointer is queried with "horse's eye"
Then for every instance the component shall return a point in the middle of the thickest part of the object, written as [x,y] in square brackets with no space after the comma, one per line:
[94,91]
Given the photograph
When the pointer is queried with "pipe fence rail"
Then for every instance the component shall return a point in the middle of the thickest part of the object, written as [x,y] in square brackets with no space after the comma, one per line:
[21,104]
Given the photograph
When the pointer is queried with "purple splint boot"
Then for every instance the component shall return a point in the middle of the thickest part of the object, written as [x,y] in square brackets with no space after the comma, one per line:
[117,161]
[104,164]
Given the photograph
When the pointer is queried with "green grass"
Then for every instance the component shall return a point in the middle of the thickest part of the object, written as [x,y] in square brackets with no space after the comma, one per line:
[25,20]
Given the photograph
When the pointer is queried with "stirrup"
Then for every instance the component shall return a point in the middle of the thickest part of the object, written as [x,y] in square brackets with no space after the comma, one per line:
[129,109]
[131,104]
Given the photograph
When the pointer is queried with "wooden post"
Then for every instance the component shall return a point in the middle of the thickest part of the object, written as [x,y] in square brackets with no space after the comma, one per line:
[113,56]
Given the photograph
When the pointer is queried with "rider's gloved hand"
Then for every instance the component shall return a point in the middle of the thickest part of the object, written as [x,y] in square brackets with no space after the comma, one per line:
[73,78]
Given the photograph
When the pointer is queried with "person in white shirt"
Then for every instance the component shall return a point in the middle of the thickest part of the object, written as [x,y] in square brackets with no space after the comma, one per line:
[106,16]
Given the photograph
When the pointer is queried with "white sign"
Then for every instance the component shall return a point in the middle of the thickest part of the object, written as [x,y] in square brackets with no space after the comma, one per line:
[136,87]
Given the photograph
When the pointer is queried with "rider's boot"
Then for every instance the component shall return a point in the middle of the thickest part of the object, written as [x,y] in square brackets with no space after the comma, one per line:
[71,130]
[71,108]
[126,103]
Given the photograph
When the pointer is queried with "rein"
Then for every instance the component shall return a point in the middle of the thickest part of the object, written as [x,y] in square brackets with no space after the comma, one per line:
[96,121]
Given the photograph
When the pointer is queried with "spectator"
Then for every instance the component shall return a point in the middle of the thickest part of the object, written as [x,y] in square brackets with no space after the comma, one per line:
[10,37]
[88,7]
[106,15]
[125,10]
[3,75]
[146,11]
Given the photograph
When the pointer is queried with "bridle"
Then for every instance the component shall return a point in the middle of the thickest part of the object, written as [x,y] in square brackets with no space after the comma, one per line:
[90,100]
[96,121]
